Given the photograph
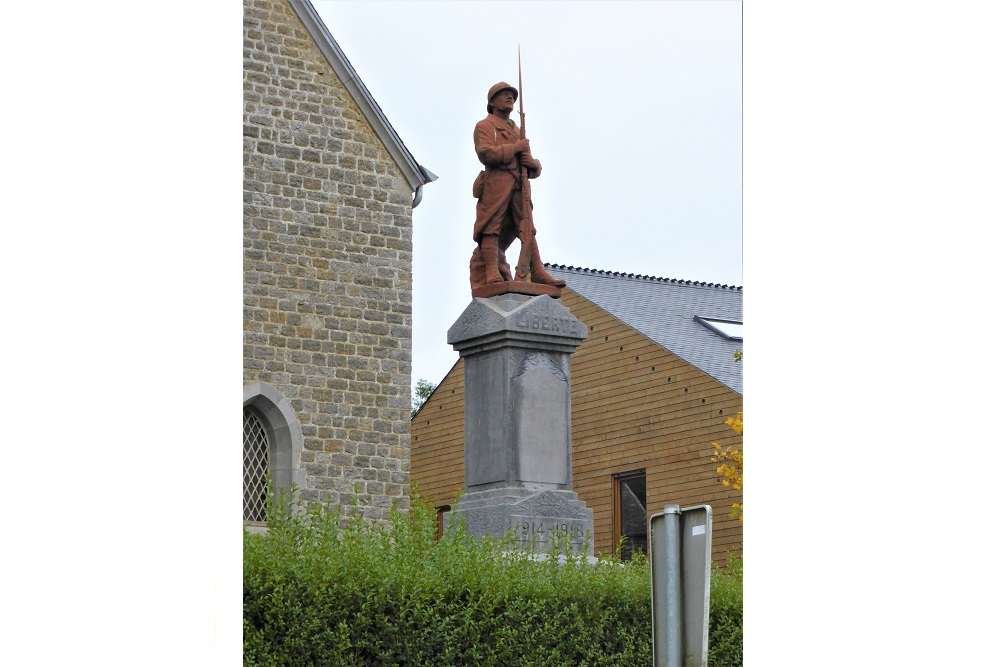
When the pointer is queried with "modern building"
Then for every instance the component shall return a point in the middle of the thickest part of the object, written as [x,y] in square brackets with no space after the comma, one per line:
[329,189]
[651,389]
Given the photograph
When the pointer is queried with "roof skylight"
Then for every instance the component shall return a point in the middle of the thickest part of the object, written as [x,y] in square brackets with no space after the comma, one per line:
[727,329]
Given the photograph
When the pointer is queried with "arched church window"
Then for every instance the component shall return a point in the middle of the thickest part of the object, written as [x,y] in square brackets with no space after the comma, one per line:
[255,466]
[272,448]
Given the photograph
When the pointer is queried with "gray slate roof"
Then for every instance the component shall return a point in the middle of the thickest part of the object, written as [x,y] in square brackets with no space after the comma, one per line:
[663,310]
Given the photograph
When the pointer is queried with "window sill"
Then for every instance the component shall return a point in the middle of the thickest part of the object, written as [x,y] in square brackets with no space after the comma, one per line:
[255,527]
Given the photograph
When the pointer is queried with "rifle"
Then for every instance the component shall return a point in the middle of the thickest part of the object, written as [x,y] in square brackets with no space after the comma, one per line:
[524,231]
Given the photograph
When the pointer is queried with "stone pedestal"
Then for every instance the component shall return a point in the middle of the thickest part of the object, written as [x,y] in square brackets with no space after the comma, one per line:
[518,467]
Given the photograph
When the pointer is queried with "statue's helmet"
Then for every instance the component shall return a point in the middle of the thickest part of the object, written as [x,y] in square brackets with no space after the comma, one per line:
[496,88]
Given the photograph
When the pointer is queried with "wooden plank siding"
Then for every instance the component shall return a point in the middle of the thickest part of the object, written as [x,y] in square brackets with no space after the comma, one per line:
[635,406]
[437,436]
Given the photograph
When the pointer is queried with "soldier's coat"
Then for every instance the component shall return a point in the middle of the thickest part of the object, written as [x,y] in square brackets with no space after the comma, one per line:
[494,140]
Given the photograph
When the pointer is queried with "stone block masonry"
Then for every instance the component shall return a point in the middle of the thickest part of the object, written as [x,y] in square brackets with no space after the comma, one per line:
[326,266]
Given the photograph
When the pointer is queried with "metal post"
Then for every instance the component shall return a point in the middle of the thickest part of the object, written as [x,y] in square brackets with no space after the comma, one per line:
[674,649]
[680,551]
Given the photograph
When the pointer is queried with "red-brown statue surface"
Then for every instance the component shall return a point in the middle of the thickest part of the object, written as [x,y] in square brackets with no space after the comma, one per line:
[503,212]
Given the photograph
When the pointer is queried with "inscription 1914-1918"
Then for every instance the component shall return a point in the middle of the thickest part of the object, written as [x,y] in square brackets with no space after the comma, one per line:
[542,529]
[536,322]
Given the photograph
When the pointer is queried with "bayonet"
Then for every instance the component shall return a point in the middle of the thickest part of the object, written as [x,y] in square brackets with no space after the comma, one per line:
[520,90]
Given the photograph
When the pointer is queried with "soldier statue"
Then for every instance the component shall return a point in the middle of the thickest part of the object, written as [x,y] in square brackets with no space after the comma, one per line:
[503,211]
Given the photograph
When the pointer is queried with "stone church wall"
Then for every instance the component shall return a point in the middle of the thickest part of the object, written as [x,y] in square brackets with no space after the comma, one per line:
[326,266]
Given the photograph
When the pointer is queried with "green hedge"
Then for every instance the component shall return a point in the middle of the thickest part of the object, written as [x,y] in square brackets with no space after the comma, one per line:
[725,618]
[324,589]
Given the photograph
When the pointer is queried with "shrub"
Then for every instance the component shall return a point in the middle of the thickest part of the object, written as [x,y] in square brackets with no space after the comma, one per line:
[326,587]
[725,623]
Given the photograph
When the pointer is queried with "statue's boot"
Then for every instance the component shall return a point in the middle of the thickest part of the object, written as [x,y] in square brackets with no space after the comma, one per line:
[503,266]
[477,274]
[538,272]
[491,256]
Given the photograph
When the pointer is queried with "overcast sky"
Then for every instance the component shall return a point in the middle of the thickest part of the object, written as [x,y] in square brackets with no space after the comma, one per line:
[633,108]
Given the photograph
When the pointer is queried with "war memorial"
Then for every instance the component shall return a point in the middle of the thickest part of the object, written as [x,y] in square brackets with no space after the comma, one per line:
[516,340]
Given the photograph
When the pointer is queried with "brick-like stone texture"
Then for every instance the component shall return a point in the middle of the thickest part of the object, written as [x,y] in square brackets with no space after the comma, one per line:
[326,265]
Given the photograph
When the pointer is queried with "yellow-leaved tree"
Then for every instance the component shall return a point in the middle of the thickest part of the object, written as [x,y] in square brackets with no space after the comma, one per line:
[730,459]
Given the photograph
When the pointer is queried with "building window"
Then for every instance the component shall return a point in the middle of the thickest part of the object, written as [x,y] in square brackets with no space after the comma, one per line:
[256,450]
[728,329]
[440,519]
[629,513]
[272,448]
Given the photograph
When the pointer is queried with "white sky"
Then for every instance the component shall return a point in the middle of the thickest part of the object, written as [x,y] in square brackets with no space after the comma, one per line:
[633,108]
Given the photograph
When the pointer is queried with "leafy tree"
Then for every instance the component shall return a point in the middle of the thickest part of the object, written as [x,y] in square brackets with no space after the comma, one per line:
[730,460]
[421,393]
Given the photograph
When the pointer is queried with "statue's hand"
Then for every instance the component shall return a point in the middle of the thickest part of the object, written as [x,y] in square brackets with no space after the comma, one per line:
[521,146]
[526,160]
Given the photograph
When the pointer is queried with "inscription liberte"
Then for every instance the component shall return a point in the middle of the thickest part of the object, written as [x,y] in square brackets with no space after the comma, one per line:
[536,322]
